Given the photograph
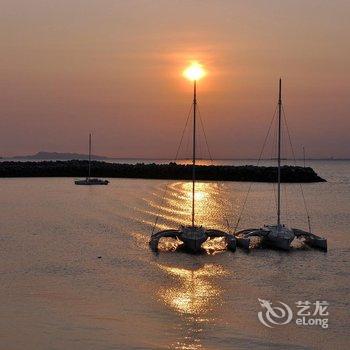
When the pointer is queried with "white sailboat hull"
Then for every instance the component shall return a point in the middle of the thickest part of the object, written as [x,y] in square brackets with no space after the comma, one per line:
[91,182]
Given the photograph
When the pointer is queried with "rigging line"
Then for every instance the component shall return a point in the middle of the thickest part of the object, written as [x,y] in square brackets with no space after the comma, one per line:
[287,218]
[186,155]
[212,163]
[267,135]
[183,132]
[175,159]
[274,142]
[258,162]
[295,163]
[200,155]
[274,195]
[204,133]
[273,158]
[284,155]
[272,155]
[186,148]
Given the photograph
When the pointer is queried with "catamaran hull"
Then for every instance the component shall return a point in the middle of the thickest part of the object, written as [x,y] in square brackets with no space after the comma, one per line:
[278,242]
[271,236]
[311,239]
[243,243]
[193,245]
[278,237]
[192,238]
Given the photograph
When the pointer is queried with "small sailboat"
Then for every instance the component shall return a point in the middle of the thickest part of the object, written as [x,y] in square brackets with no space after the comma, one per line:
[88,181]
[193,236]
[280,236]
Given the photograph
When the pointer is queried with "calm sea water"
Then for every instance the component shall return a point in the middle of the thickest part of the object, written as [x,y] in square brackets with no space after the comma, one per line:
[56,293]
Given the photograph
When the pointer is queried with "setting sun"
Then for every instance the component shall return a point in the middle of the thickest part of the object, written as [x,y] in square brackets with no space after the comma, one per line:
[194,72]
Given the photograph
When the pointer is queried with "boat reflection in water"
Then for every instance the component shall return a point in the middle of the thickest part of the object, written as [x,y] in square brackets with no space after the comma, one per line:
[193,295]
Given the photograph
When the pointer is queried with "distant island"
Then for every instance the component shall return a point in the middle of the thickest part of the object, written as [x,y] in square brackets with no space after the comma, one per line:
[171,171]
[57,156]
[43,155]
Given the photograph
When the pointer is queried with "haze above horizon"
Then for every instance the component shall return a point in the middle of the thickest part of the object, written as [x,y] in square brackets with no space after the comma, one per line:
[115,68]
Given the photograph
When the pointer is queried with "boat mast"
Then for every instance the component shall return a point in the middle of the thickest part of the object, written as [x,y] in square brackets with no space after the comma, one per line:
[194,147]
[89,156]
[279,155]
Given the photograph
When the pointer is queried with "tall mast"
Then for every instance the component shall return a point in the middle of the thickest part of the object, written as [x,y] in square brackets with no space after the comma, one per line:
[279,155]
[89,156]
[194,146]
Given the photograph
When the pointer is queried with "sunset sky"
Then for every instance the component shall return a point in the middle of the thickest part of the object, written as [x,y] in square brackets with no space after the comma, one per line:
[114,68]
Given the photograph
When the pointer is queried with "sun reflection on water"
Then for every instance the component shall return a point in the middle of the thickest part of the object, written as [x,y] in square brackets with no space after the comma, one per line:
[201,190]
[179,202]
[196,292]
[176,209]
[193,295]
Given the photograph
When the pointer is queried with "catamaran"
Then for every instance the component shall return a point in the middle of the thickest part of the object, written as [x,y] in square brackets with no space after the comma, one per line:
[91,180]
[193,236]
[279,235]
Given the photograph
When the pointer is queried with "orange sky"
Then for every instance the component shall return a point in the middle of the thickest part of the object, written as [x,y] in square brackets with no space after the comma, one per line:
[115,68]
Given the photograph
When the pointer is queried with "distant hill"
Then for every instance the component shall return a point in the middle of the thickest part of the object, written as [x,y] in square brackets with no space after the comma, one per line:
[59,156]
